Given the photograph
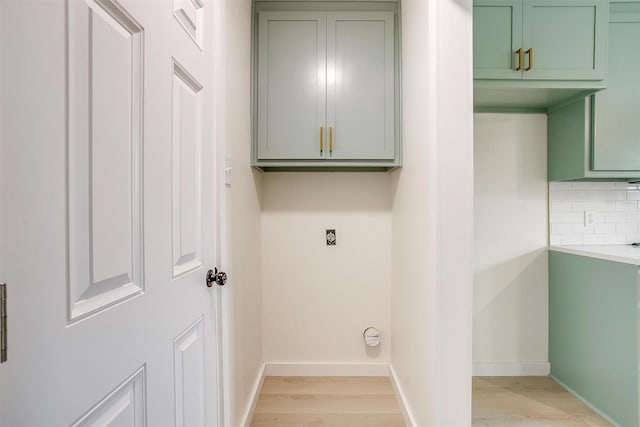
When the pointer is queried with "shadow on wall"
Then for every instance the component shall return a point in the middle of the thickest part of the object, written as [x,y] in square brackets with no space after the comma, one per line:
[326,191]
[510,309]
[511,156]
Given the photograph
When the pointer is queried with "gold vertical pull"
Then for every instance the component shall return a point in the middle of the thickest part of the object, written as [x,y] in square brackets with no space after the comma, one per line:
[520,59]
[330,140]
[321,137]
[530,53]
[3,322]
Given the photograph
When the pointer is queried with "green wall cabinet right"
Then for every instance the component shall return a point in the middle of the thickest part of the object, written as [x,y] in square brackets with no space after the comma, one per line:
[599,137]
[537,53]
[539,39]
[497,34]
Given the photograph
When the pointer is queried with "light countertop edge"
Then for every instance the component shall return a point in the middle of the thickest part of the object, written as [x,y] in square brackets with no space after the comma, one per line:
[619,253]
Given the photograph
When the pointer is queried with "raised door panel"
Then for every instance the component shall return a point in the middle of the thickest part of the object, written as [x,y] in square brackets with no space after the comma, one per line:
[189,374]
[105,157]
[497,36]
[360,85]
[291,84]
[616,141]
[123,407]
[187,172]
[190,15]
[565,40]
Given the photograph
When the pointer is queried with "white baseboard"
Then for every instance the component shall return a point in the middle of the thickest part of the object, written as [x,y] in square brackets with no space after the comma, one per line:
[257,386]
[409,420]
[337,369]
[511,369]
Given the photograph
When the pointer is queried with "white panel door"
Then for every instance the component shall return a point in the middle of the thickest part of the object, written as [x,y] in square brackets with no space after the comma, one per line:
[108,213]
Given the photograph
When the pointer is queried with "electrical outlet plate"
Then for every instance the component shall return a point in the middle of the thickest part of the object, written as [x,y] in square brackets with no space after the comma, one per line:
[331,237]
[589,218]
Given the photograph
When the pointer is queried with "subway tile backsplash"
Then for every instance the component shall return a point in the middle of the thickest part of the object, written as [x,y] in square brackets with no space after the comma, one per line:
[615,207]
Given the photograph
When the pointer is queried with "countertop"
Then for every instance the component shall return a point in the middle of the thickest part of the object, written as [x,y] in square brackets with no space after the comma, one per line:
[620,253]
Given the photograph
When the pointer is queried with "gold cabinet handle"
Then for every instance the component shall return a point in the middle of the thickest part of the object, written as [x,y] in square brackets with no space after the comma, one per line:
[530,53]
[321,142]
[520,59]
[330,140]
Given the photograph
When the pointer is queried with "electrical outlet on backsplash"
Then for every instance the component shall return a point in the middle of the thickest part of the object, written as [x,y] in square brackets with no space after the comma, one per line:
[613,208]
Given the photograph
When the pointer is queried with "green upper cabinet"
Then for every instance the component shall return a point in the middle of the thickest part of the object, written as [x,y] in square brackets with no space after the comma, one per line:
[360,85]
[599,136]
[291,84]
[561,39]
[537,53]
[326,90]
[497,34]
[616,138]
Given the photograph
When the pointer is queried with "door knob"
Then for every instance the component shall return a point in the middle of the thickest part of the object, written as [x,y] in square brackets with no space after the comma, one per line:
[217,277]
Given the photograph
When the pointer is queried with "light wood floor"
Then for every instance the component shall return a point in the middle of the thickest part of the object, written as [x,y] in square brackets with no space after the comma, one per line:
[327,401]
[370,401]
[528,401]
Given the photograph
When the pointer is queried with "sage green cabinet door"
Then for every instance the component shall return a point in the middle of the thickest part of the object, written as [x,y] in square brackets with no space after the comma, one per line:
[616,142]
[360,85]
[497,35]
[291,84]
[593,332]
[560,39]
[564,39]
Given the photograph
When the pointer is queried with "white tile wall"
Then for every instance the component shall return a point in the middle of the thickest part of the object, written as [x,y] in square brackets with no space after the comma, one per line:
[616,208]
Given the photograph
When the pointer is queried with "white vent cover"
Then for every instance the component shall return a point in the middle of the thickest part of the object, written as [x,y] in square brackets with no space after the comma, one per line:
[371,336]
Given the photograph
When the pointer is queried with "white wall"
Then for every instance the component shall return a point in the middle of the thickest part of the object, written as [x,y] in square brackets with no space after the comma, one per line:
[413,299]
[243,292]
[432,216]
[454,123]
[318,299]
[510,313]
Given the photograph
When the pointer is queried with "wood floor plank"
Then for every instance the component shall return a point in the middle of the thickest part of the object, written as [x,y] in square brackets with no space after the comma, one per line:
[528,401]
[328,385]
[326,404]
[327,401]
[333,420]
